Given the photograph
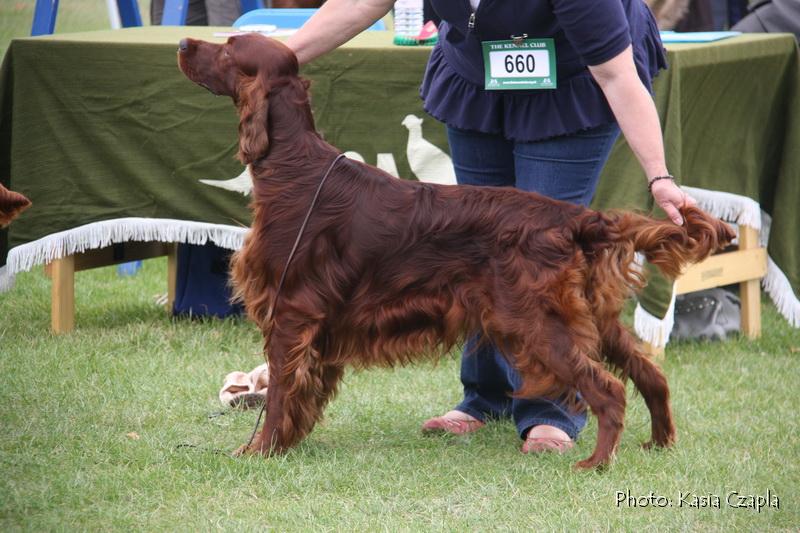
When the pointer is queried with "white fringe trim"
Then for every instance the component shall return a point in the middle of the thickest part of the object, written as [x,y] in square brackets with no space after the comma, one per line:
[6,280]
[101,234]
[652,329]
[775,282]
[766,225]
[730,207]
[777,285]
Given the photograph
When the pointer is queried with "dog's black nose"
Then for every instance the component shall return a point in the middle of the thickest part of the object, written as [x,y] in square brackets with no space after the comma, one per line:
[183,45]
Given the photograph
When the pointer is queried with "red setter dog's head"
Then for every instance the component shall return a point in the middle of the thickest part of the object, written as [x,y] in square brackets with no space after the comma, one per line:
[247,68]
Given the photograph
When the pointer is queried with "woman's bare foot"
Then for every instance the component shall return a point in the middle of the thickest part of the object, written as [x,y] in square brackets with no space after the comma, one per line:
[544,438]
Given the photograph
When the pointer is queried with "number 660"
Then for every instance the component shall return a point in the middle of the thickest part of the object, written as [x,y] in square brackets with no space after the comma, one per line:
[520,63]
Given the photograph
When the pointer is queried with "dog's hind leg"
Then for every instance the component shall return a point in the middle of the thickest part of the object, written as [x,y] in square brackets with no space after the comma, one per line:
[564,354]
[605,395]
[300,386]
[621,350]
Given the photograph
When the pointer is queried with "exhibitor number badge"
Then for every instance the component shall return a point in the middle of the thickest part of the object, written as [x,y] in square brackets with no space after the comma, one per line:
[519,64]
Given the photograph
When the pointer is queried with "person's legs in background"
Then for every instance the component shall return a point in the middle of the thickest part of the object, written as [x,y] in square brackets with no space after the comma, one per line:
[737,10]
[195,13]
[156,12]
[222,12]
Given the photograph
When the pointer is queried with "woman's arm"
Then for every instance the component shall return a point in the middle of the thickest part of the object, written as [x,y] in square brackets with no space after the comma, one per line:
[636,114]
[336,22]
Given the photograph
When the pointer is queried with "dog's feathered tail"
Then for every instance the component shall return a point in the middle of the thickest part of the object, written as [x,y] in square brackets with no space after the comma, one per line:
[671,247]
[11,205]
[610,241]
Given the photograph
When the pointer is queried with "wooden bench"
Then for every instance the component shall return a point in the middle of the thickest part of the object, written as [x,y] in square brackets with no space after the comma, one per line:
[62,272]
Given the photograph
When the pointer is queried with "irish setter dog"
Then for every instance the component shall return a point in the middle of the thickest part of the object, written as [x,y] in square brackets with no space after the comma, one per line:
[391,271]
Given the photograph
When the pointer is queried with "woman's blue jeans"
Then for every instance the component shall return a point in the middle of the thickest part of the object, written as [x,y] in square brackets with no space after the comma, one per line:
[566,168]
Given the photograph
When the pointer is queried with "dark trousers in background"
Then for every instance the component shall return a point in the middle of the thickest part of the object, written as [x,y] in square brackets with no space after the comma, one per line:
[201,12]
[203,283]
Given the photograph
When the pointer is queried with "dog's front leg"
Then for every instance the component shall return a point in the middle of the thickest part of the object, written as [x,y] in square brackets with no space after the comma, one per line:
[300,386]
[273,438]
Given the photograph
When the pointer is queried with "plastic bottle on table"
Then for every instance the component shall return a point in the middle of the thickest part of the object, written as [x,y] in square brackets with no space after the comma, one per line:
[408,21]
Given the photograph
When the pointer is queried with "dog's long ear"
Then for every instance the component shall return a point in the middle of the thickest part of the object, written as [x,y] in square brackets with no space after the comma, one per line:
[253,106]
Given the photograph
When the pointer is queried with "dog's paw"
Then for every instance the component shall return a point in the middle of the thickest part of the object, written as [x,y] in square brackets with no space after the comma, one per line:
[661,439]
[597,461]
[658,443]
[592,464]
[242,450]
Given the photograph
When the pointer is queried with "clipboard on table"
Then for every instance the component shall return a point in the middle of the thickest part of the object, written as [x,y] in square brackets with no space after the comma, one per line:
[696,36]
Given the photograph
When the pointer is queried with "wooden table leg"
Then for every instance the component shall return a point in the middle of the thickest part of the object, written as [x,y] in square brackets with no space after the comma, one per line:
[63,295]
[656,353]
[750,291]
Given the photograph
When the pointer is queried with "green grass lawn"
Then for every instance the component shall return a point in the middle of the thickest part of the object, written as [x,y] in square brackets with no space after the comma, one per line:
[70,405]
[112,427]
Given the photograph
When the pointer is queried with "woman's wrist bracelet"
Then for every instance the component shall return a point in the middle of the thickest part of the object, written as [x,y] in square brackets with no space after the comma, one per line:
[652,181]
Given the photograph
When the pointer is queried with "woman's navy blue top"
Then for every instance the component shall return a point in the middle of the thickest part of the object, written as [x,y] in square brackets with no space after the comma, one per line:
[585,32]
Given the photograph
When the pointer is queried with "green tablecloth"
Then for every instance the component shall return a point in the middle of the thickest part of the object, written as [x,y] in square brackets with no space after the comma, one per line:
[102,125]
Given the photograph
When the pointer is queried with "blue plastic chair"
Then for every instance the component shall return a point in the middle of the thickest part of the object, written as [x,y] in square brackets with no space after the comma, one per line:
[44,15]
[285,18]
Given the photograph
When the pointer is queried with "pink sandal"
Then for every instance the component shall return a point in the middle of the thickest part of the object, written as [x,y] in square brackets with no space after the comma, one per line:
[454,426]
